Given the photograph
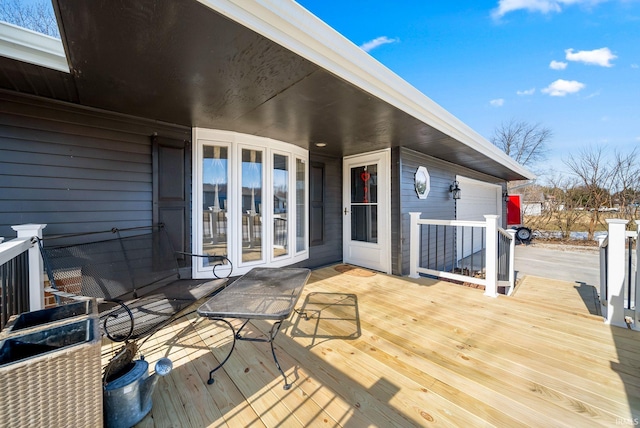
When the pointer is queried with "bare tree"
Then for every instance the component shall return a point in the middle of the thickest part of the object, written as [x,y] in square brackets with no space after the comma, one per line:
[526,143]
[596,175]
[626,183]
[37,16]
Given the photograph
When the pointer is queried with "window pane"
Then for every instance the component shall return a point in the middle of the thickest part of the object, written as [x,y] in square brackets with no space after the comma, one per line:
[364,184]
[214,188]
[364,223]
[280,204]
[364,198]
[251,205]
[301,205]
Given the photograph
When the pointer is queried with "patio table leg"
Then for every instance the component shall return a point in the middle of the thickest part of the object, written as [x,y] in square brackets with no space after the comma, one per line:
[233,345]
[275,328]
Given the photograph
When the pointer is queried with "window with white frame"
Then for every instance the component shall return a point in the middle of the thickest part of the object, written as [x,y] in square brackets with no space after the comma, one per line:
[249,201]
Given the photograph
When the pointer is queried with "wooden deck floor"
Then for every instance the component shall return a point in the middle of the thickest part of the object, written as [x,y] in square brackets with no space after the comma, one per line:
[387,351]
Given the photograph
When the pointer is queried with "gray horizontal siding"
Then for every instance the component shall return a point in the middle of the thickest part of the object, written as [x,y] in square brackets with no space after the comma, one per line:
[75,169]
[439,204]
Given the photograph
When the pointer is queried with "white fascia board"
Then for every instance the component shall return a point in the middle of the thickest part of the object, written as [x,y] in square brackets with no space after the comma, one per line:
[292,26]
[32,47]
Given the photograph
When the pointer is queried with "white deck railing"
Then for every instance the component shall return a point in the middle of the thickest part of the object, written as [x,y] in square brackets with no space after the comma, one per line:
[619,275]
[24,242]
[467,241]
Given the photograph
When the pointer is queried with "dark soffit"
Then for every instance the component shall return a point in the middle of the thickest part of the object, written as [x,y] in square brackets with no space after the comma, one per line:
[181,62]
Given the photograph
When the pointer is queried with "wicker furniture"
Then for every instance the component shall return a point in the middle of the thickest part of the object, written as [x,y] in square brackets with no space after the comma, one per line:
[50,372]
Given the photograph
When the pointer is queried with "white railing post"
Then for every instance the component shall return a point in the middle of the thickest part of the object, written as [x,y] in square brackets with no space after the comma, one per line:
[414,244]
[491,273]
[615,272]
[36,278]
[603,248]
[512,260]
[637,277]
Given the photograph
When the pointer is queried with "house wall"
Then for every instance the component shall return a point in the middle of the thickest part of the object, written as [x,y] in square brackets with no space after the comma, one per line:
[75,169]
[330,250]
[438,205]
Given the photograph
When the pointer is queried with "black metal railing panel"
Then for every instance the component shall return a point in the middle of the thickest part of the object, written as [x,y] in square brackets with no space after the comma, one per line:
[630,274]
[453,248]
[14,287]
[504,256]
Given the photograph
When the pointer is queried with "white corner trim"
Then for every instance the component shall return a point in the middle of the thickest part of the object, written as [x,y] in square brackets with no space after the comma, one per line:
[32,47]
[295,28]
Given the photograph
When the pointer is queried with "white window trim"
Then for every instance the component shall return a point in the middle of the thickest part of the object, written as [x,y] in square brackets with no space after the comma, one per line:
[235,142]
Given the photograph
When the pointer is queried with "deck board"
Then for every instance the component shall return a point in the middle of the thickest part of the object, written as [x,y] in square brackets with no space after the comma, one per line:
[390,351]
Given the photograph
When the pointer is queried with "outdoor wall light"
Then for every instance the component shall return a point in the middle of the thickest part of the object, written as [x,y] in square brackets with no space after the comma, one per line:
[455,190]
[505,196]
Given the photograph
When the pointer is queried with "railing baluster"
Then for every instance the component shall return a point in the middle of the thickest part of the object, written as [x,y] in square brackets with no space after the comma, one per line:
[629,267]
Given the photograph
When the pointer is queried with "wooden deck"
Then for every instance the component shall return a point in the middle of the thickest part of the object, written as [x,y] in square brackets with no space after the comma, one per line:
[387,351]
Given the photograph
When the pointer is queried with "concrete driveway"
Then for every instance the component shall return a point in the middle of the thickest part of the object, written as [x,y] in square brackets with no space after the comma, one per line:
[563,262]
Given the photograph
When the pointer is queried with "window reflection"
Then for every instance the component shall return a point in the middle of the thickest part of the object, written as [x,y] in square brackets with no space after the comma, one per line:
[280,204]
[301,206]
[251,205]
[214,187]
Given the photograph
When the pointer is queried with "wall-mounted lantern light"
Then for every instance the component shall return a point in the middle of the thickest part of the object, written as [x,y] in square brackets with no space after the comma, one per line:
[505,196]
[455,190]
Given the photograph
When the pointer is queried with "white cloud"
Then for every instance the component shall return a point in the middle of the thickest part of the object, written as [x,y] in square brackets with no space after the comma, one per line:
[378,41]
[527,92]
[601,57]
[557,65]
[542,6]
[498,102]
[562,87]
[635,66]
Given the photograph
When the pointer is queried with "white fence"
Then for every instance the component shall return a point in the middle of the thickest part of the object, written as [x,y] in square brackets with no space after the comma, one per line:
[619,275]
[467,251]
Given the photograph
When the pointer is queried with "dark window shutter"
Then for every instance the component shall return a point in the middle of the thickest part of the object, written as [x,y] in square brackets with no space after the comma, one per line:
[316,205]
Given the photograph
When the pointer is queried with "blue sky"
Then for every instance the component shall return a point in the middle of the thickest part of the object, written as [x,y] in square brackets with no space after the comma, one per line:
[571,65]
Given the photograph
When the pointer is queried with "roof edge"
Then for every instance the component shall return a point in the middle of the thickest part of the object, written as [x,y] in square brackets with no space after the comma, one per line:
[29,46]
[294,27]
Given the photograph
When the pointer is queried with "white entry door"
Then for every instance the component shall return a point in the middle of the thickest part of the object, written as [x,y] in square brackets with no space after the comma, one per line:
[366,210]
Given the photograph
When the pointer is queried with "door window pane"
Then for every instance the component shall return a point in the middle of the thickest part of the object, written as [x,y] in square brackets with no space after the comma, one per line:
[280,204]
[364,223]
[215,173]
[301,205]
[251,215]
[364,198]
[364,184]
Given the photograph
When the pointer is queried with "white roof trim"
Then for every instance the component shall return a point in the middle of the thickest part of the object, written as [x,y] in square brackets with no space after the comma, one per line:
[292,26]
[32,47]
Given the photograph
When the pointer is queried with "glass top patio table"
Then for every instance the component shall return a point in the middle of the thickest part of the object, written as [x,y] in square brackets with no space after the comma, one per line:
[262,293]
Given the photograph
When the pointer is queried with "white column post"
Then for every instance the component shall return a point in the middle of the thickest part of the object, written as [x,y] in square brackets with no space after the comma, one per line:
[512,260]
[36,278]
[603,275]
[615,273]
[414,244]
[491,271]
